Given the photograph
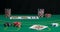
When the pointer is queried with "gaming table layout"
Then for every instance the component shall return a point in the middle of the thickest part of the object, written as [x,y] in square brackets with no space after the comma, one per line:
[26,23]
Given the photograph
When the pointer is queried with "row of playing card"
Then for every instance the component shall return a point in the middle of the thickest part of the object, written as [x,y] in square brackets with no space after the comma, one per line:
[24,17]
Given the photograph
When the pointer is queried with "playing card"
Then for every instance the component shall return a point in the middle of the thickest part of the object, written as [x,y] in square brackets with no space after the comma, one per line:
[38,27]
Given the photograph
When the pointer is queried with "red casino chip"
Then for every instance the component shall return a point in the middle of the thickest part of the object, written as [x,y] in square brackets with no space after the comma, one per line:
[17,24]
[47,15]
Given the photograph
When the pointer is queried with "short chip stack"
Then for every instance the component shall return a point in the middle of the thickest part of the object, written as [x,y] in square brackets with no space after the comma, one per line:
[17,24]
[7,24]
[47,15]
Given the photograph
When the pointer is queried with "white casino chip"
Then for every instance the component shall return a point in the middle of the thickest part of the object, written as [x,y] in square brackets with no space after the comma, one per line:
[55,24]
[10,17]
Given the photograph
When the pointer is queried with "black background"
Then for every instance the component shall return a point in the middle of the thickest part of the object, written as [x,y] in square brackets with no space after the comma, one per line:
[30,6]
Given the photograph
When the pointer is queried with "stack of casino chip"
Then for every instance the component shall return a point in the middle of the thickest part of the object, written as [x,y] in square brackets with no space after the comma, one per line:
[7,12]
[47,15]
[17,24]
[7,24]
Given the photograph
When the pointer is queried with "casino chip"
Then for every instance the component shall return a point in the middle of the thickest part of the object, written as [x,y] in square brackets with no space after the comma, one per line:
[47,15]
[7,24]
[55,24]
[17,24]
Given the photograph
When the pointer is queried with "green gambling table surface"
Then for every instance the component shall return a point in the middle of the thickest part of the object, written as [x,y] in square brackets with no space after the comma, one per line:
[26,23]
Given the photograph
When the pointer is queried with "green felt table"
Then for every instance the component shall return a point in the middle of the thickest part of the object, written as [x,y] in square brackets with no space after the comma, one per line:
[26,23]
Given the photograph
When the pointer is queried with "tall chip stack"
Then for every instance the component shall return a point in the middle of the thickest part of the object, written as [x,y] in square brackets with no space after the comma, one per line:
[41,12]
[7,12]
